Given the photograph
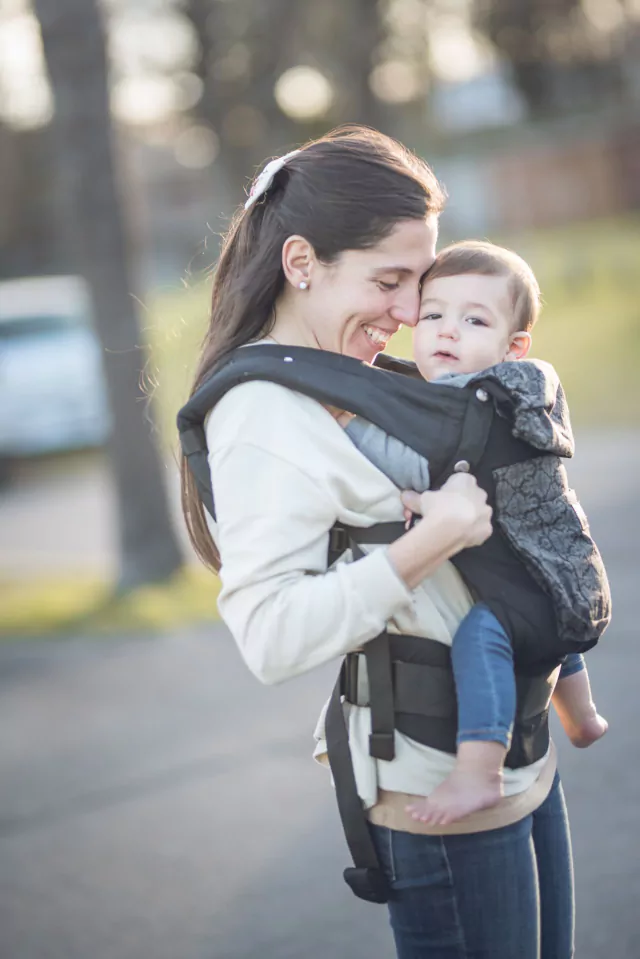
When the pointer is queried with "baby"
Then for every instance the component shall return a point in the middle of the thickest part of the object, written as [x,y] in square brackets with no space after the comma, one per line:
[479,303]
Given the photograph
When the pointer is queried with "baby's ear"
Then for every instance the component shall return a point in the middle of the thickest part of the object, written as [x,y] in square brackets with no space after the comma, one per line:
[519,345]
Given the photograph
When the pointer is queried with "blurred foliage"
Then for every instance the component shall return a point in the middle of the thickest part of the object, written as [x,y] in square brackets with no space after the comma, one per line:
[565,55]
[589,327]
[74,603]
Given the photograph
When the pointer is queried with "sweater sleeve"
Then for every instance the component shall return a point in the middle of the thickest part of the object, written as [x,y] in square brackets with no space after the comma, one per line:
[285,610]
[404,467]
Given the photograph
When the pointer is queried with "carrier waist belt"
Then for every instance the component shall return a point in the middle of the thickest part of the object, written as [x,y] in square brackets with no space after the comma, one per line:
[429,690]
[420,697]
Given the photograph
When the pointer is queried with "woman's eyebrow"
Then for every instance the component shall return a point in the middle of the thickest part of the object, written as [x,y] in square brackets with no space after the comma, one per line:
[404,270]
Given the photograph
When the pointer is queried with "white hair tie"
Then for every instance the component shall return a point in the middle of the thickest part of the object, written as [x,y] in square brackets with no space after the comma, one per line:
[262,182]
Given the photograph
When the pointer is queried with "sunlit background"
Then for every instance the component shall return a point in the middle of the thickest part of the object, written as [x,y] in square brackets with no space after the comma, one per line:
[527,112]
[155,801]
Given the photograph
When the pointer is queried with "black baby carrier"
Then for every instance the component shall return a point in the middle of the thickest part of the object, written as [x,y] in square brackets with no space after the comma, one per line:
[560,605]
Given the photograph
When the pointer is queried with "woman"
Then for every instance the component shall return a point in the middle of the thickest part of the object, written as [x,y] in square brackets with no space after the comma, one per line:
[329,253]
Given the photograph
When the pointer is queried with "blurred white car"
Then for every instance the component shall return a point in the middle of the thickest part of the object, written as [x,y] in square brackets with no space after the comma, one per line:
[52,387]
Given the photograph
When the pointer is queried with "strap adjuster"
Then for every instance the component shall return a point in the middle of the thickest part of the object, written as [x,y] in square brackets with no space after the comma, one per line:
[382,746]
[367,883]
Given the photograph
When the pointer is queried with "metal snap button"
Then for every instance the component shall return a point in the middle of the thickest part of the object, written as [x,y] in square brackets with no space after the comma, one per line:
[462,466]
[482,395]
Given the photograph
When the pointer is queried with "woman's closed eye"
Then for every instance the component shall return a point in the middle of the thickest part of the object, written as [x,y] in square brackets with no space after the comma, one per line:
[387,287]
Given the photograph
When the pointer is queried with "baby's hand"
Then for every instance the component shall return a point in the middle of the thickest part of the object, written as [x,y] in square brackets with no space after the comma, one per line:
[340,415]
[344,418]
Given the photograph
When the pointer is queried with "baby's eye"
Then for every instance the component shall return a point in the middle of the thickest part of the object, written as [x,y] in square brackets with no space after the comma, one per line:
[387,287]
[431,316]
[476,321]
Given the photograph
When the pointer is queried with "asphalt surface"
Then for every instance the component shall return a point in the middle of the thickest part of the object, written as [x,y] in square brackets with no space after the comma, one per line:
[156,802]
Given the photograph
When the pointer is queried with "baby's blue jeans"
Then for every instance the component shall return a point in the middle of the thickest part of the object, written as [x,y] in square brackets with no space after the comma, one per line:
[482,661]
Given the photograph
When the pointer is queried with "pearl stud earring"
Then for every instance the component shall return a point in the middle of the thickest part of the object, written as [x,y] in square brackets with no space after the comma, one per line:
[303,285]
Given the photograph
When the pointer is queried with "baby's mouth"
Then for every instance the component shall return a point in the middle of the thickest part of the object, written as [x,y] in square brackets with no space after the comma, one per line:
[445,355]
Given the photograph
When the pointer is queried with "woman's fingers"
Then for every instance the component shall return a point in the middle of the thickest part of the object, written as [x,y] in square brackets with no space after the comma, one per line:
[464,482]
[411,501]
[462,501]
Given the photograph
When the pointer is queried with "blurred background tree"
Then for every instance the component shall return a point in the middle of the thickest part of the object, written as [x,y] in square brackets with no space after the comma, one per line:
[95,227]
[565,55]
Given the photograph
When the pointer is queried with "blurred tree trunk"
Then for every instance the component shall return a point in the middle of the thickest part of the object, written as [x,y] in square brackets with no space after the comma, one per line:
[361,33]
[74,47]
[238,100]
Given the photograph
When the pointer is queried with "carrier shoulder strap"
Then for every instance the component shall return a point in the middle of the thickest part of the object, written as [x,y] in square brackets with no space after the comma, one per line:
[395,402]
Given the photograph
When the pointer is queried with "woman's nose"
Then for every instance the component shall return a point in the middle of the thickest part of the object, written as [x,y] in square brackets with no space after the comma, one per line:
[406,306]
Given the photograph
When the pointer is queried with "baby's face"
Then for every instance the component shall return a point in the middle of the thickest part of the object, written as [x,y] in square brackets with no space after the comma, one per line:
[466,324]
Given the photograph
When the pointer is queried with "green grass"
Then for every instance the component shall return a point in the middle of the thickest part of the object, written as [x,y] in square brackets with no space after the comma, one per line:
[73,603]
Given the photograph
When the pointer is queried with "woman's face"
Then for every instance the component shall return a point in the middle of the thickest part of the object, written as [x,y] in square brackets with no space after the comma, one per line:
[355,304]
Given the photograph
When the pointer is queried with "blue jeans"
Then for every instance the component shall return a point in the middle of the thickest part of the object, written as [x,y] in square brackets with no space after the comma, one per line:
[502,894]
[482,662]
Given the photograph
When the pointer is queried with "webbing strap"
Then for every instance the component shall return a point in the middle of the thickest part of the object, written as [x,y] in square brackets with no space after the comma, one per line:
[366,879]
[349,803]
[378,533]
[378,656]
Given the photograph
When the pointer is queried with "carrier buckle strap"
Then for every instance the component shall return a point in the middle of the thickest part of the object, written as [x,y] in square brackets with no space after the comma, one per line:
[342,538]
[419,688]
[365,877]
[384,533]
[378,657]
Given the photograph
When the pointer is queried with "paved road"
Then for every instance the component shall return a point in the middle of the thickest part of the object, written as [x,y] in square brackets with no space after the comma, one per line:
[157,803]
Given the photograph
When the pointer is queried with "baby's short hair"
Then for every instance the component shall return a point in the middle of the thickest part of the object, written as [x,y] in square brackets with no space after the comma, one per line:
[486,259]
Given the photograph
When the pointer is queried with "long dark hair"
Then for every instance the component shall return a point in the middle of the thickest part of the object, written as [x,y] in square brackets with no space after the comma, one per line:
[345,191]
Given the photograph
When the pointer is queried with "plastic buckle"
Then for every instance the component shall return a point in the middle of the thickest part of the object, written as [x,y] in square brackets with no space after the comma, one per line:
[367,884]
[382,746]
[338,543]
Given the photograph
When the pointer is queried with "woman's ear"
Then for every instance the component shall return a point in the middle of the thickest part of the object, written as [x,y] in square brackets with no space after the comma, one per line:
[519,345]
[298,257]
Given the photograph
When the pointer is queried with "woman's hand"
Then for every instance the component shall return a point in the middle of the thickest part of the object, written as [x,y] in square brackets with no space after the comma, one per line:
[461,502]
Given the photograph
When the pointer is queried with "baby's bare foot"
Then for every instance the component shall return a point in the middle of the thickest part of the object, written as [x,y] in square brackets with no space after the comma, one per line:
[588,731]
[463,792]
